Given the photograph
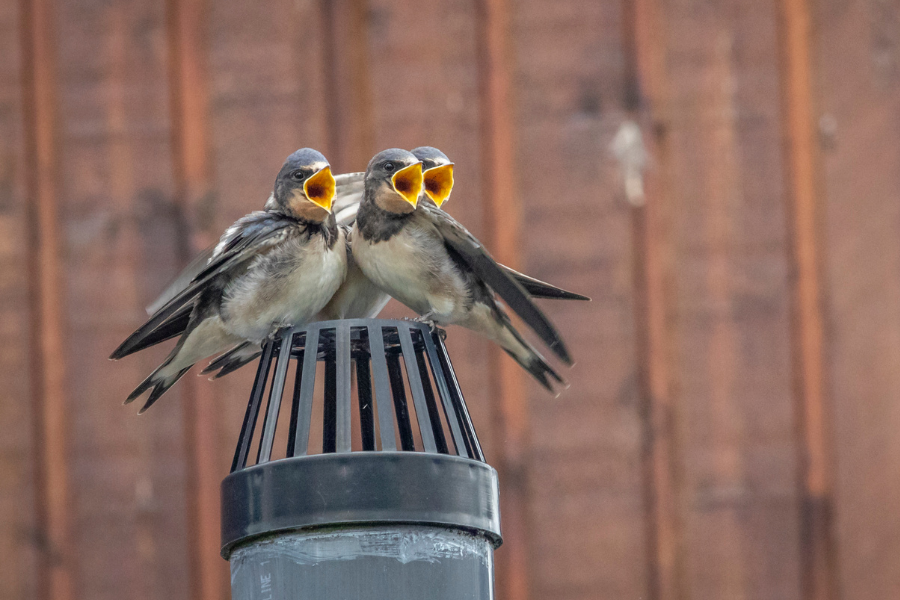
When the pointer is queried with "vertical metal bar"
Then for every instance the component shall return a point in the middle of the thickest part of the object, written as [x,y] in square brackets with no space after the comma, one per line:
[259,385]
[415,386]
[342,387]
[434,416]
[307,387]
[295,405]
[364,397]
[329,420]
[399,396]
[382,391]
[459,402]
[460,442]
[270,422]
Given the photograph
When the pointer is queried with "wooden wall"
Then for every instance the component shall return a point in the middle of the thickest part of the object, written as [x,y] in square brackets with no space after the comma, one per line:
[723,178]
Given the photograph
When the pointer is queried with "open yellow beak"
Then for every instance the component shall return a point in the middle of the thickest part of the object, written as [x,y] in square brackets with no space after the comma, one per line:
[320,188]
[439,183]
[408,183]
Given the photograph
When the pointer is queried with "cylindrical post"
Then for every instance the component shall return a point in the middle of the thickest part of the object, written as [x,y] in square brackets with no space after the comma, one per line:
[376,563]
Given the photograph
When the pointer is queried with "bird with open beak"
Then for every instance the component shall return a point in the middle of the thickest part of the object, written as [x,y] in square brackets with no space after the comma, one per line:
[422,257]
[271,269]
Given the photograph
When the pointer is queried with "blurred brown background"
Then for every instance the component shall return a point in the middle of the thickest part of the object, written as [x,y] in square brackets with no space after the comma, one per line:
[723,178]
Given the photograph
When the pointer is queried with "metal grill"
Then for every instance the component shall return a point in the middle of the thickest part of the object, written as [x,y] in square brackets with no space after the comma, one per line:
[367,366]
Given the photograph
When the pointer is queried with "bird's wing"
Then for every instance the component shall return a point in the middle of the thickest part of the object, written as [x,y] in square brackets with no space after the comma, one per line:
[348,194]
[247,239]
[540,289]
[349,181]
[172,327]
[182,280]
[495,277]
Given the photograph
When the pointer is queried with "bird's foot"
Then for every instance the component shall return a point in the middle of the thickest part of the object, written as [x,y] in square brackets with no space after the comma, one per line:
[427,320]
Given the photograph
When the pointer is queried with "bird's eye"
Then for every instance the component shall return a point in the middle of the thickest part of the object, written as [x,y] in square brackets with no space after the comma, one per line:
[388,166]
[297,175]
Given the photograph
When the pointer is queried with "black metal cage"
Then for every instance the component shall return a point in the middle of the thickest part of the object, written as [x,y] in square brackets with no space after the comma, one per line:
[387,361]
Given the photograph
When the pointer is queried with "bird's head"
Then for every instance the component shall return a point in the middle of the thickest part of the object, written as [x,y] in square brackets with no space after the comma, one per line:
[394,181]
[304,188]
[437,173]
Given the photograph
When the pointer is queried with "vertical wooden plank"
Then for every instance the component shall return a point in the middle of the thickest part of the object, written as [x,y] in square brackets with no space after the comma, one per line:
[48,360]
[348,95]
[424,86]
[587,516]
[818,552]
[20,534]
[190,140]
[119,244]
[648,90]
[502,215]
[856,58]
[267,98]
[730,308]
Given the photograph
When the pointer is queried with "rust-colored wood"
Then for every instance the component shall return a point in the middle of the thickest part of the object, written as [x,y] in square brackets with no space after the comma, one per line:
[48,359]
[119,234]
[857,114]
[348,97]
[730,307]
[20,533]
[210,579]
[817,547]
[645,38]
[502,215]
[590,540]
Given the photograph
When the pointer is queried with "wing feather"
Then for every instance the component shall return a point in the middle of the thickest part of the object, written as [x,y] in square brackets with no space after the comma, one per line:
[500,281]
[244,241]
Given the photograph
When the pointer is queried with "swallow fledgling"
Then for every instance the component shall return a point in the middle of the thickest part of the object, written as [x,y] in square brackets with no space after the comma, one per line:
[273,268]
[429,262]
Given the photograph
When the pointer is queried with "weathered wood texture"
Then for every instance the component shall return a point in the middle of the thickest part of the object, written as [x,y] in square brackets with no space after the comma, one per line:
[722,179]
[857,67]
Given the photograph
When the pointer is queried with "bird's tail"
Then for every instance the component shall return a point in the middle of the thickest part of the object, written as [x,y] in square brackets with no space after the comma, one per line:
[232,360]
[158,382]
[531,360]
[491,321]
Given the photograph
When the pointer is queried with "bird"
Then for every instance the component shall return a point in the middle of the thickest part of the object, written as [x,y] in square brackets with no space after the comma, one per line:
[358,297]
[273,268]
[429,262]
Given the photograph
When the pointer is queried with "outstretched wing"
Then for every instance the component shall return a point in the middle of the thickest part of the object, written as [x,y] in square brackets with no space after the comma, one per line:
[495,277]
[246,240]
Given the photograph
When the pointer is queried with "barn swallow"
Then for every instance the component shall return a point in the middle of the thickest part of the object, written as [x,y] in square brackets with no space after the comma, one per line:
[273,268]
[429,262]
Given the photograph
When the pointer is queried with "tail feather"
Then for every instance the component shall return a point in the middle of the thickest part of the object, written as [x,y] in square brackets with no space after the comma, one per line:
[161,387]
[158,383]
[232,360]
[530,359]
[540,369]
